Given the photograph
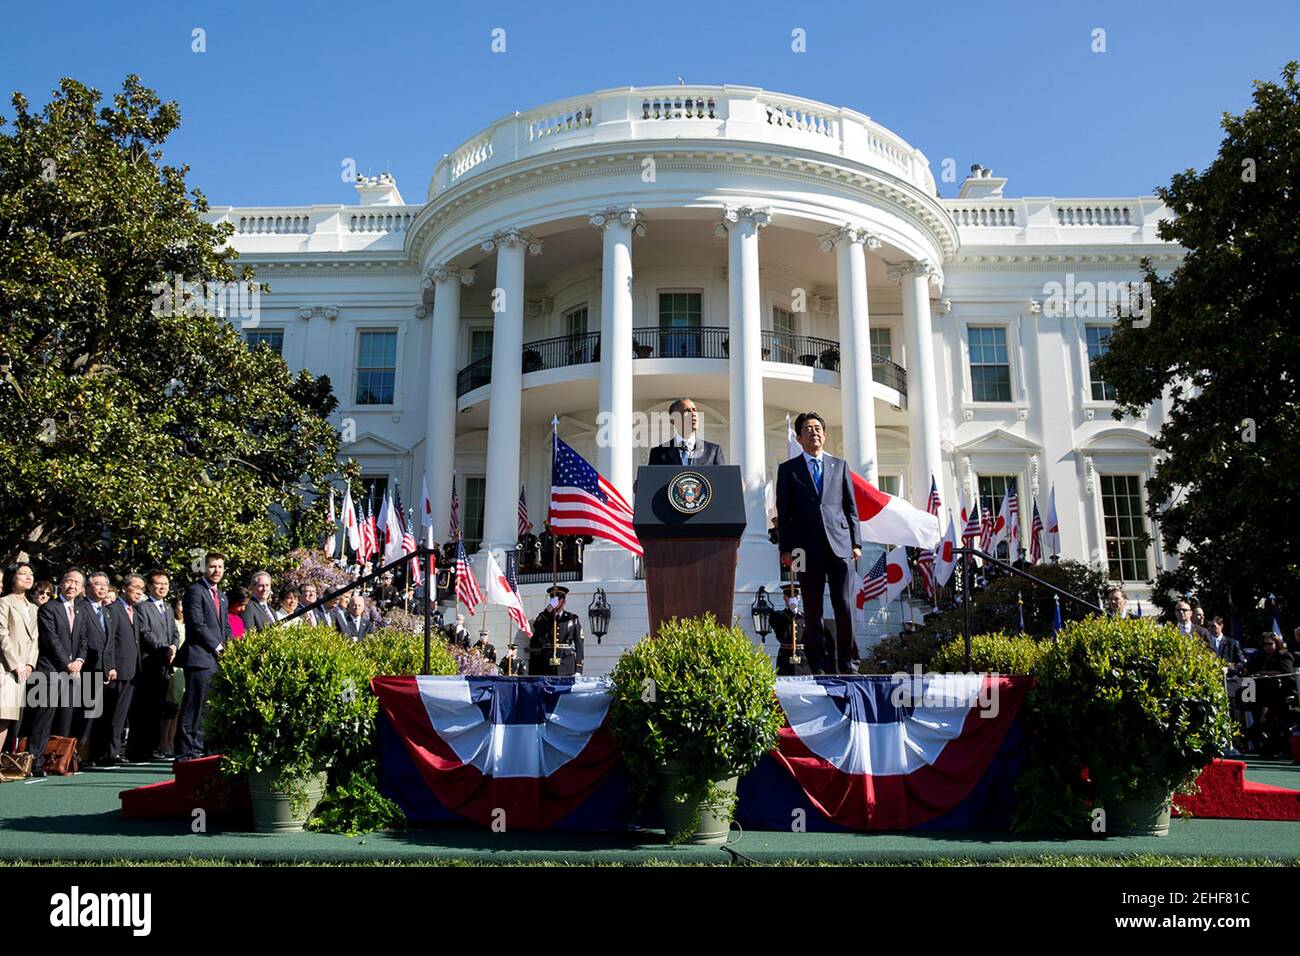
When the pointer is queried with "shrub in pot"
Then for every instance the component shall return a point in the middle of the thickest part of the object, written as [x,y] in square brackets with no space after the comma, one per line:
[1124,713]
[285,704]
[693,708]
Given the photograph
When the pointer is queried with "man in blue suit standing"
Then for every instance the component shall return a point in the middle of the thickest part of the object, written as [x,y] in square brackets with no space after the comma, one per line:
[207,633]
[817,530]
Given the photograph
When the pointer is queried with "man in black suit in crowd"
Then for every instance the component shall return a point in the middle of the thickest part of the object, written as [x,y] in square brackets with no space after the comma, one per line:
[207,632]
[159,642]
[120,692]
[817,527]
[356,624]
[1186,626]
[61,655]
[100,647]
[686,447]
[258,614]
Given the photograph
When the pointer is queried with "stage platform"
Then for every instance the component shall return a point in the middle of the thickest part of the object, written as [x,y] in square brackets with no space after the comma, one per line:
[77,819]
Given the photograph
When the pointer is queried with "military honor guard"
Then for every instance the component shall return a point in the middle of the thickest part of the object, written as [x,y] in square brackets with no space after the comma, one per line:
[557,637]
[788,629]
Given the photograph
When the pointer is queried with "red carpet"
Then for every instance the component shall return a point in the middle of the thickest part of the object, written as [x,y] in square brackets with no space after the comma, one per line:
[197,783]
[1228,795]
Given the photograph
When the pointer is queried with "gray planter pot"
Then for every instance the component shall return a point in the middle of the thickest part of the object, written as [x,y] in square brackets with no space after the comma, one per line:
[714,820]
[1144,814]
[283,810]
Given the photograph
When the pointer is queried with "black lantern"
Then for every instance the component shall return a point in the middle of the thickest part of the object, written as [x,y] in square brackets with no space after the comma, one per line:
[598,614]
[762,610]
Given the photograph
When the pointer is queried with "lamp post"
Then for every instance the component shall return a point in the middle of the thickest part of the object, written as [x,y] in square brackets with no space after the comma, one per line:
[761,612]
[598,614]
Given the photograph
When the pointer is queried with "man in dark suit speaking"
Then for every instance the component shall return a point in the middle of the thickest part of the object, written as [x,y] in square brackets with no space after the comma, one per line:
[686,447]
[817,528]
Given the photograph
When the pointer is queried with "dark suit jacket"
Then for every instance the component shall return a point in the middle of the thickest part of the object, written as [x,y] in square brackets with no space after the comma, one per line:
[804,519]
[57,646]
[255,618]
[206,627]
[98,639]
[1229,651]
[126,639]
[158,629]
[708,453]
[350,629]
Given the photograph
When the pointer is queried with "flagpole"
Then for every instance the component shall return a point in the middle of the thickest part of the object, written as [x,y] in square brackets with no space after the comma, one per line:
[555,549]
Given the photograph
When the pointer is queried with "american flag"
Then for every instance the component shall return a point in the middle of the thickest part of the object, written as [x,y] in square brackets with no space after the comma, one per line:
[517,615]
[467,590]
[524,523]
[986,528]
[874,582]
[455,509]
[1036,537]
[971,529]
[408,543]
[583,502]
[369,538]
[1014,530]
[925,560]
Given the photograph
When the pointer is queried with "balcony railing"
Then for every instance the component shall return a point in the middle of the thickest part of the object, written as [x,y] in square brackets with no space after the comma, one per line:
[702,343]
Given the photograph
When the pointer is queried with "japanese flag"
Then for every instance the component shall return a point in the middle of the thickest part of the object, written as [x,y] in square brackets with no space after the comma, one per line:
[944,559]
[897,574]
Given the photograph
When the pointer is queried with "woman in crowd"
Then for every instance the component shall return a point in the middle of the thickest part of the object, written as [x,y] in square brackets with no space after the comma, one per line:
[1274,675]
[17,645]
[43,591]
[171,708]
[238,599]
[288,604]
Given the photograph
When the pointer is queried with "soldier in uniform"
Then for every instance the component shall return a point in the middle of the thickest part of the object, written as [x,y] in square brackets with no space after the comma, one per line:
[511,663]
[785,621]
[527,548]
[555,626]
[545,545]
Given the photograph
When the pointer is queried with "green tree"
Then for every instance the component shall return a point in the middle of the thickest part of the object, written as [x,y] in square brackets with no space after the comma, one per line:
[139,428]
[1224,341]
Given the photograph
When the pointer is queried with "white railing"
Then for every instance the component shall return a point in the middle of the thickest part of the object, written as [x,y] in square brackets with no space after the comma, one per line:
[271,222]
[983,215]
[739,113]
[378,222]
[1094,216]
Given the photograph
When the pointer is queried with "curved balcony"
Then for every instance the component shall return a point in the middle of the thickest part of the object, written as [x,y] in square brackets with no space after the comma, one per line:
[702,343]
[739,113]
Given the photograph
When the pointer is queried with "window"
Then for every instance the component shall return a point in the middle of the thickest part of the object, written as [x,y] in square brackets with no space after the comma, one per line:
[1126,533]
[376,368]
[882,345]
[783,343]
[680,310]
[1099,345]
[990,370]
[480,344]
[575,327]
[992,489]
[475,494]
[271,338]
[373,489]
[889,484]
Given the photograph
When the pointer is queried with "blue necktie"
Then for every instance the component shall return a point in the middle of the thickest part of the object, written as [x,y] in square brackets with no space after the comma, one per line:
[817,474]
[683,451]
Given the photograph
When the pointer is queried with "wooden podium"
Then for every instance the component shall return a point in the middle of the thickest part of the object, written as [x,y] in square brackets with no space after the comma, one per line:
[689,521]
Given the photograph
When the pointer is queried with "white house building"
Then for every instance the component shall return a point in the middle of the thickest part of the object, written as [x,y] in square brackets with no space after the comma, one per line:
[595,258]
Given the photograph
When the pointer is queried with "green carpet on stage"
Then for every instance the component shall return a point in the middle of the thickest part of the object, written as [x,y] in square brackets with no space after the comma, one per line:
[76,818]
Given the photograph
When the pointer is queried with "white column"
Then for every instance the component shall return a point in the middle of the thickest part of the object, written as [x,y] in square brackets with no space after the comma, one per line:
[500,509]
[440,425]
[922,391]
[614,423]
[748,444]
[857,398]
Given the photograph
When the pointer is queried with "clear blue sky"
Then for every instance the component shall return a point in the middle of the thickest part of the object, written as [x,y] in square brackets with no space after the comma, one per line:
[286,90]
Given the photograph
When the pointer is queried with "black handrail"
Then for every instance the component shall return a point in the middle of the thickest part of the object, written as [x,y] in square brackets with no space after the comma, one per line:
[706,342]
[966,584]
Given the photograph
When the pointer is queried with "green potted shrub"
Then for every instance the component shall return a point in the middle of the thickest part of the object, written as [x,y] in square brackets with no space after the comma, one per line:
[285,704]
[1124,713]
[997,653]
[693,708]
